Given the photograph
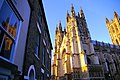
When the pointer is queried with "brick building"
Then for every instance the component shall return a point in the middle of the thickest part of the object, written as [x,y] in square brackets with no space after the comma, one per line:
[25,44]
[37,63]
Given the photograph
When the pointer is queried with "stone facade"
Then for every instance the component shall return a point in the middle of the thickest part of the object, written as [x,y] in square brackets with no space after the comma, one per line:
[74,56]
[114,29]
[109,58]
[37,64]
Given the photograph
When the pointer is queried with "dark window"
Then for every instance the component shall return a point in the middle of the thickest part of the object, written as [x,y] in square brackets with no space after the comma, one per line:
[112,29]
[117,42]
[43,54]
[9,24]
[37,44]
[115,27]
[47,63]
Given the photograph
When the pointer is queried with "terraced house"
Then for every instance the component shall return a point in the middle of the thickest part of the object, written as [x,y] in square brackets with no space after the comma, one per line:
[25,45]
[37,62]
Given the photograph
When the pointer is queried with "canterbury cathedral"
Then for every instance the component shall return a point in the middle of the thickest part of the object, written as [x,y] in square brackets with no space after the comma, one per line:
[114,29]
[78,57]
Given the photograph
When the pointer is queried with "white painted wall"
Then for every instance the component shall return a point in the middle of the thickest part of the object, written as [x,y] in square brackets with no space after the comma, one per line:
[24,10]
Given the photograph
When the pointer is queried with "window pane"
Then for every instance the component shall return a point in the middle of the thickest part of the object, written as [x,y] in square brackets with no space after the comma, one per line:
[5,12]
[8,19]
[9,24]
[46,59]
[43,54]
[6,47]
[37,43]
[13,25]
[37,46]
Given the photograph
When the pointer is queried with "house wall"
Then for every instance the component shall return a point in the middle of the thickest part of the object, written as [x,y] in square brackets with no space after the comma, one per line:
[24,10]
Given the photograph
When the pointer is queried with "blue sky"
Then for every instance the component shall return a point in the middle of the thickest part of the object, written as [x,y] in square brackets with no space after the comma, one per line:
[95,12]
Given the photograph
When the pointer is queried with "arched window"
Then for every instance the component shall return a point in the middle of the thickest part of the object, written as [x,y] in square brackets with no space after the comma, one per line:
[115,27]
[112,29]
[108,66]
[117,42]
[63,55]
[31,75]
[63,60]
[117,69]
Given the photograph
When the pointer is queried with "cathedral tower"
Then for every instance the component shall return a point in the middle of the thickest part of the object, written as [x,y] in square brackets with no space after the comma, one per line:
[74,56]
[114,29]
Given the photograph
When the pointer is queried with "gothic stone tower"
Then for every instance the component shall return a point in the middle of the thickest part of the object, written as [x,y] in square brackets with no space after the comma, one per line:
[114,29]
[74,56]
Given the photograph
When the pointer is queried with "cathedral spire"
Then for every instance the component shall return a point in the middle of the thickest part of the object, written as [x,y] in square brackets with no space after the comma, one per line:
[82,13]
[72,11]
[107,21]
[64,30]
[115,14]
[68,16]
[56,29]
[60,26]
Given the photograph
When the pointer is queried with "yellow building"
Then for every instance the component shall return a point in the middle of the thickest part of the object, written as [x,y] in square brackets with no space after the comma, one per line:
[114,29]
[74,56]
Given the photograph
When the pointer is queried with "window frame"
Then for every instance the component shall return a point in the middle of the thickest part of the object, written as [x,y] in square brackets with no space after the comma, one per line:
[37,51]
[18,17]
[43,54]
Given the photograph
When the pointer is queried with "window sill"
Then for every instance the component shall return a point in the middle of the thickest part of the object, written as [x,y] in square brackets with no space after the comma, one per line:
[5,59]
